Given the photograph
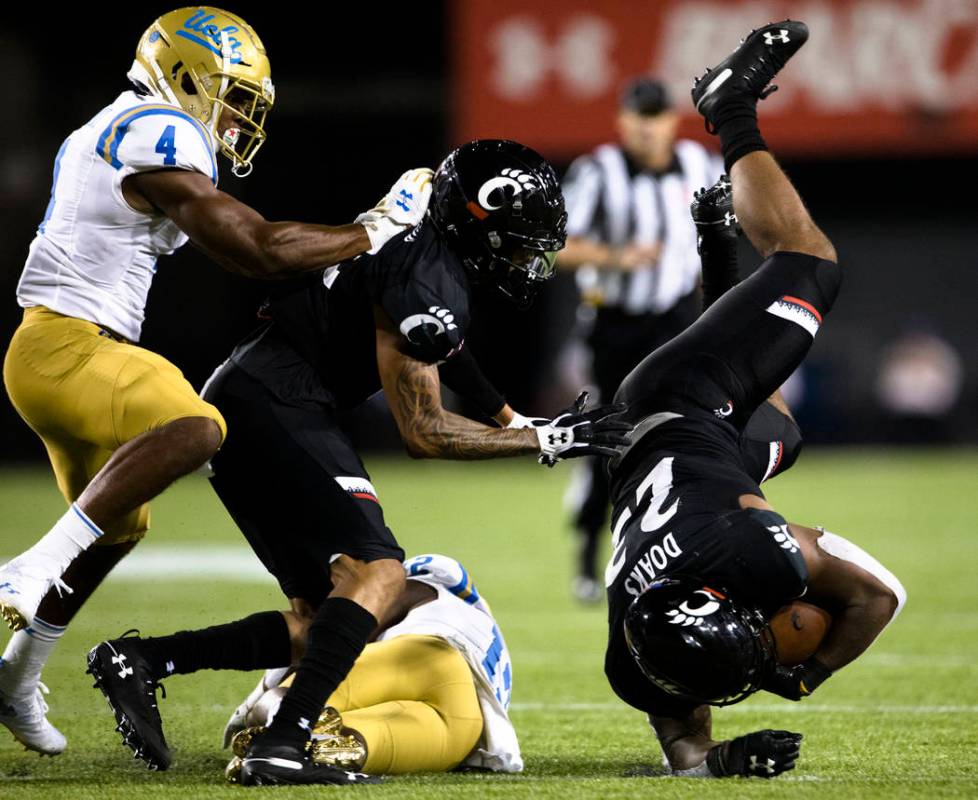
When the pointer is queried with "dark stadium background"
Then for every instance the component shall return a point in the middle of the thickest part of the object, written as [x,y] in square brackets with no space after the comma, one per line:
[359,102]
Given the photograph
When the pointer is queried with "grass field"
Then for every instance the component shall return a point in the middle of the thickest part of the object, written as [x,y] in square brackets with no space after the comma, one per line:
[900,722]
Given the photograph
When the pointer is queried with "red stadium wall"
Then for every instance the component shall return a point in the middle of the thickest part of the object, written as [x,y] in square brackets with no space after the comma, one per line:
[878,77]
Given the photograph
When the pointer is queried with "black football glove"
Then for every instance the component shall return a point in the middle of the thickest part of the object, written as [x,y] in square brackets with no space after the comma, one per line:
[574,433]
[763,754]
[794,683]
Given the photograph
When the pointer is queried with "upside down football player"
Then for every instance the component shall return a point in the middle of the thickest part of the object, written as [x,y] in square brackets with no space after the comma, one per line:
[119,422]
[429,694]
[291,478]
[701,562]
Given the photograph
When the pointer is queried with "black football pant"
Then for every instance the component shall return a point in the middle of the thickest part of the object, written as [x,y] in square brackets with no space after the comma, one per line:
[743,348]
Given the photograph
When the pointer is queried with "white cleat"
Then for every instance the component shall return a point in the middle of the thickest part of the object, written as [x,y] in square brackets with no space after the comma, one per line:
[21,593]
[27,721]
[587,590]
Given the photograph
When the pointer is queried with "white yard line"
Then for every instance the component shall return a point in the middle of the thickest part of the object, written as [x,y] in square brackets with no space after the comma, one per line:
[186,562]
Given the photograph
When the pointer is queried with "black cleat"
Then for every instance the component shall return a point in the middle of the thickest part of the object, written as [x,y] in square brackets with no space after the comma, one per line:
[713,214]
[124,677]
[750,69]
[273,765]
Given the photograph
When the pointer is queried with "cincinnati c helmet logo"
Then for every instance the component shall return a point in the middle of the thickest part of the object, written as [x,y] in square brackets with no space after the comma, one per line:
[509,183]
[689,615]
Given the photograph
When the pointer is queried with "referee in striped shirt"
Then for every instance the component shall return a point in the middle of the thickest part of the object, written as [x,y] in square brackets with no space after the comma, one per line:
[632,243]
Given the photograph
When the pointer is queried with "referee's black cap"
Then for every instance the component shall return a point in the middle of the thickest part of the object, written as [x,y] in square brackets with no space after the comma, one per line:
[646,96]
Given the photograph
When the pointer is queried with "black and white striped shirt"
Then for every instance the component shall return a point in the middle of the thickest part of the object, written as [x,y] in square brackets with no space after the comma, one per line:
[613,201]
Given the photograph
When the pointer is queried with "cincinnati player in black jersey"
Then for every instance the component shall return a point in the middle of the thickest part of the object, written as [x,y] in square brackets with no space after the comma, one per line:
[292,480]
[701,561]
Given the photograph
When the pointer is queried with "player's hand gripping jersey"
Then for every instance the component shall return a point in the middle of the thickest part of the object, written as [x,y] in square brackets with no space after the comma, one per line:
[94,256]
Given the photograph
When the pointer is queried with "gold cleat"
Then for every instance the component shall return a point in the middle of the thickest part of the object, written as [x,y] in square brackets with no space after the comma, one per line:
[344,751]
[334,745]
[232,772]
[242,740]
[12,617]
[330,723]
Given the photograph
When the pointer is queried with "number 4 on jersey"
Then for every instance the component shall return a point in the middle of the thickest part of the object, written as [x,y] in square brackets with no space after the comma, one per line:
[167,146]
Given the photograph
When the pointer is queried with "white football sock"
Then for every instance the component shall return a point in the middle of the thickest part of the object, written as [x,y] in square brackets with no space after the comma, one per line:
[26,654]
[70,536]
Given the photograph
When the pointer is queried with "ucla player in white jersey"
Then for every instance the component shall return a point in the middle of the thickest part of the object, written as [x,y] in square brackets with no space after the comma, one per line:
[430,694]
[119,422]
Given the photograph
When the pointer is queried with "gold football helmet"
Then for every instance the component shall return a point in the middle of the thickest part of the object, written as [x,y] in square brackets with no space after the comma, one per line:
[208,61]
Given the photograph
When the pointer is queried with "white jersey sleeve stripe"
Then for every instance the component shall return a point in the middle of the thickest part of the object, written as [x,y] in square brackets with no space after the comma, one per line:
[108,143]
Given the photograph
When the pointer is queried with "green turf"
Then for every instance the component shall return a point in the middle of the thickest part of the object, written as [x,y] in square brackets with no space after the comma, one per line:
[901,722]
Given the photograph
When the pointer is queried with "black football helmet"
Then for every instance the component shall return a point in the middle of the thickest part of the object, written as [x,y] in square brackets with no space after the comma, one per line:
[499,206]
[694,642]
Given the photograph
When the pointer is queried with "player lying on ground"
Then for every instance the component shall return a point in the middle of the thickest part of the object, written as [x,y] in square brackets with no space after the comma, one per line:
[291,478]
[430,693]
[119,422]
[701,561]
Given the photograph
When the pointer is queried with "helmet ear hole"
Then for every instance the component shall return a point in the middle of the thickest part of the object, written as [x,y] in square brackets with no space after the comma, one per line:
[187,84]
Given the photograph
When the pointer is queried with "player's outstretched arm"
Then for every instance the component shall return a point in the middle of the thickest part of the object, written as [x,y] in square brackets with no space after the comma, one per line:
[692,753]
[242,241]
[413,392]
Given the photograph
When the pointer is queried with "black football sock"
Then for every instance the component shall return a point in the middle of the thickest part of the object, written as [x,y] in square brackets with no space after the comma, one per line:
[256,642]
[336,638]
[736,124]
[719,268]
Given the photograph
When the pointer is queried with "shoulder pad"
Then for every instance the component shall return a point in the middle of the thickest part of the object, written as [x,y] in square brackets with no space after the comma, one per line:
[154,136]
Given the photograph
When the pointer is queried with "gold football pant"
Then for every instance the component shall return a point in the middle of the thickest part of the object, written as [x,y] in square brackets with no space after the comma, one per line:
[86,392]
[413,700]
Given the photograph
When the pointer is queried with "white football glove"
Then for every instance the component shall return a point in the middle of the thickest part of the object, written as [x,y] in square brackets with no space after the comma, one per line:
[574,433]
[401,208]
[519,421]
[239,719]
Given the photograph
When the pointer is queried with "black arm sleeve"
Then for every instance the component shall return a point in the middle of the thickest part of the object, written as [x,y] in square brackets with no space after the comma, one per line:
[462,375]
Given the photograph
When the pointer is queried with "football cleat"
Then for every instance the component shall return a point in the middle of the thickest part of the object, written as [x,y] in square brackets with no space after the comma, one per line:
[26,718]
[272,765]
[124,677]
[587,590]
[713,214]
[750,69]
[232,772]
[335,745]
[21,592]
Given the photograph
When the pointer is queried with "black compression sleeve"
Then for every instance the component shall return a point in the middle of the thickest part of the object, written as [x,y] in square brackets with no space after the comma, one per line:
[462,375]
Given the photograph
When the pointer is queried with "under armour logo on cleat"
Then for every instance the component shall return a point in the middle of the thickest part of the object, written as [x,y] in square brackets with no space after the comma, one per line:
[120,660]
[757,766]
[781,36]
[8,588]
[558,438]
[303,723]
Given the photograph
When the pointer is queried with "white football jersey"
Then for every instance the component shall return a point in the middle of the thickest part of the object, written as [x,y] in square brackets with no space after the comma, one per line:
[463,619]
[94,256]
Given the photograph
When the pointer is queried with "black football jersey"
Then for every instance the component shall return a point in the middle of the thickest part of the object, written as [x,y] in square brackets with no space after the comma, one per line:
[676,511]
[319,343]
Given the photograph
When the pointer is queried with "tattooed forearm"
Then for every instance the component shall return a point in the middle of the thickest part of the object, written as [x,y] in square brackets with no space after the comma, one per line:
[429,431]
